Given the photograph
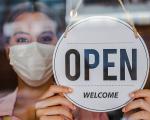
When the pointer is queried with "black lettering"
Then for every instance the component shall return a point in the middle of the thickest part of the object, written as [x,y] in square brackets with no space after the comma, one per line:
[77,64]
[125,60]
[107,64]
[89,66]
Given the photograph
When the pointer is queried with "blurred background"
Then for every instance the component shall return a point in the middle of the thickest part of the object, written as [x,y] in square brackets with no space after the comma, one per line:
[139,10]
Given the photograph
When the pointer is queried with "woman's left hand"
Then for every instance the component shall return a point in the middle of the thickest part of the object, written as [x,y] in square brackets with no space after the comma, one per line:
[142,102]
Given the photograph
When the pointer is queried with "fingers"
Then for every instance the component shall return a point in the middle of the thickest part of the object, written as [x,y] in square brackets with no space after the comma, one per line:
[142,115]
[57,110]
[55,100]
[140,93]
[53,118]
[55,89]
[54,106]
[141,103]
[137,104]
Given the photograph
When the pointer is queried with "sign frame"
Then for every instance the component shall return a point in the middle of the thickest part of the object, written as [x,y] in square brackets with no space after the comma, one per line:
[100,17]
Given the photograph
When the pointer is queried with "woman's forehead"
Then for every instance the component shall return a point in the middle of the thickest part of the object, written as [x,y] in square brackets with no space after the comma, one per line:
[33,23]
[32,17]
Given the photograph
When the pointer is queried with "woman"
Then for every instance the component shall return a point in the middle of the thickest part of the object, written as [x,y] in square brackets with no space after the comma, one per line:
[31,38]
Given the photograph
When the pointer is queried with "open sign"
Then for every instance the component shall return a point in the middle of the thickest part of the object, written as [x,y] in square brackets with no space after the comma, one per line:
[124,61]
[103,61]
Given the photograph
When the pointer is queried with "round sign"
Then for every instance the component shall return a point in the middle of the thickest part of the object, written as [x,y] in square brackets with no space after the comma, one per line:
[103,61]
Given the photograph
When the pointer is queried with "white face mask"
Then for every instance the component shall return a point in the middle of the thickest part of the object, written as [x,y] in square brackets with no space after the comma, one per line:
[32,62]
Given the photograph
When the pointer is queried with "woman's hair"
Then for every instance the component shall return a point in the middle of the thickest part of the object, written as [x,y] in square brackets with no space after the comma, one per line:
[28,7]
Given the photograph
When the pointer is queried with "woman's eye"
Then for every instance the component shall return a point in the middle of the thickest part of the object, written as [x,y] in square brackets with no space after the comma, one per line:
[45,39]
[22,40]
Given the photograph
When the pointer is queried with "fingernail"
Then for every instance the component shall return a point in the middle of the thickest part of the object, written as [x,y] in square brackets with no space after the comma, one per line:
[70,89]
[124,109]
[131,95]
[74,107]
[38,105]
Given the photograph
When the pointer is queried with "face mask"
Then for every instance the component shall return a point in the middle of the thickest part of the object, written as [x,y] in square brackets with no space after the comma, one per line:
[32,62]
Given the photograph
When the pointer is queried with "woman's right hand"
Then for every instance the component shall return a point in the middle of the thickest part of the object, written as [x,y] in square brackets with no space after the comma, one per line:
[54,106]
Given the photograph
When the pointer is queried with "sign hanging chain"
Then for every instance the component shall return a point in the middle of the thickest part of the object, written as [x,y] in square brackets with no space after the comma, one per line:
[129,18]
[74,13]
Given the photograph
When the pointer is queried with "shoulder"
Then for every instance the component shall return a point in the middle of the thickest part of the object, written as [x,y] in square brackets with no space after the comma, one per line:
[7,103]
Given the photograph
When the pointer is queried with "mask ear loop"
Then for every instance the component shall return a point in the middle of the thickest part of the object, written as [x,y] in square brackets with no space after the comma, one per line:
[74,13]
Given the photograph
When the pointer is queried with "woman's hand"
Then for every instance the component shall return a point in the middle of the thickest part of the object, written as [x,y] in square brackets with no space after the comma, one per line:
[141,104]
[54,106]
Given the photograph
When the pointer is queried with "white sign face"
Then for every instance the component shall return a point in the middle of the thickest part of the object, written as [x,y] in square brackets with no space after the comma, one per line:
[103,61]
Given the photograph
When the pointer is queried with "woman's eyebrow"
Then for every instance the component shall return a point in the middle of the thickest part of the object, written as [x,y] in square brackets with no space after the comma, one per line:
[48,31]
[20,33]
